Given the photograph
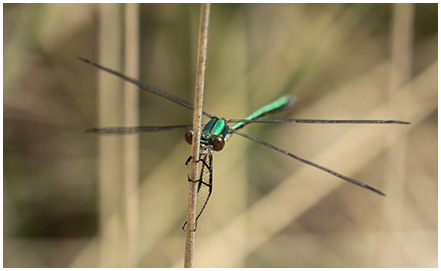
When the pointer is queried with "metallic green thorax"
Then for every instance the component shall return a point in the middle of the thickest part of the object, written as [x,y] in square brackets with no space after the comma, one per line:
[278,104]
[215,127]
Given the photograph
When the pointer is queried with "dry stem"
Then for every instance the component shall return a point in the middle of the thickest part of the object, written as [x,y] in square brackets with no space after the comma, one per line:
[131,142]
[197,119]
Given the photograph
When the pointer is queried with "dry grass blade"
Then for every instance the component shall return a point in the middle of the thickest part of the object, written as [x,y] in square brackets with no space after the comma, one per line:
[110,162]
[395,178]
[131,143]
[197,124]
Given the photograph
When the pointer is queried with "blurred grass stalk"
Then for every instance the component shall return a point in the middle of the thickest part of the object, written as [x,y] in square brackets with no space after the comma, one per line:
[401,43]
[131,142]
[118,156]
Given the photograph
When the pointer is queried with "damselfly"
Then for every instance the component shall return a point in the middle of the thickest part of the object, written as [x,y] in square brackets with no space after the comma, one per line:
[217,132]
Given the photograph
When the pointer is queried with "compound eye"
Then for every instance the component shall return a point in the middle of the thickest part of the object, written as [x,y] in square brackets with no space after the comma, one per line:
[218,143]
[189,136]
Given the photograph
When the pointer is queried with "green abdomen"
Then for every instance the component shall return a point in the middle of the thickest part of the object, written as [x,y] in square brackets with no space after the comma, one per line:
[279,104]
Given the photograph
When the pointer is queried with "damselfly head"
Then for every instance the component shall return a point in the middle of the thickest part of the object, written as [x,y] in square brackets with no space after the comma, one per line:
[217,143]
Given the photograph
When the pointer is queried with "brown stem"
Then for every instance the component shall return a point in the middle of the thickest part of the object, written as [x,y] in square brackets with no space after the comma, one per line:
[197,123]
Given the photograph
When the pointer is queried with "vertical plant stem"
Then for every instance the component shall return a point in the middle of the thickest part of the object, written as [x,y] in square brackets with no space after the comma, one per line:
[131,142]
[110,162]
[197,118]
[395,175]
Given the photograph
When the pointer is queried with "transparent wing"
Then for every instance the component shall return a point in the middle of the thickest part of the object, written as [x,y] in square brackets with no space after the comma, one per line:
[319,121]
[135,129]
[205,184]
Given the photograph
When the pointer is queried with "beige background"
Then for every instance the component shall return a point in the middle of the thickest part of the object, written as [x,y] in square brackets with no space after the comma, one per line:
[64,199]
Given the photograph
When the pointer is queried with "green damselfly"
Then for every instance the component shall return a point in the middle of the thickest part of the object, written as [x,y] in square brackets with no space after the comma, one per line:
[217,132]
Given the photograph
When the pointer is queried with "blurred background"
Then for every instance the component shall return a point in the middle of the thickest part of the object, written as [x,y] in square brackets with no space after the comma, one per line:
[73,199]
